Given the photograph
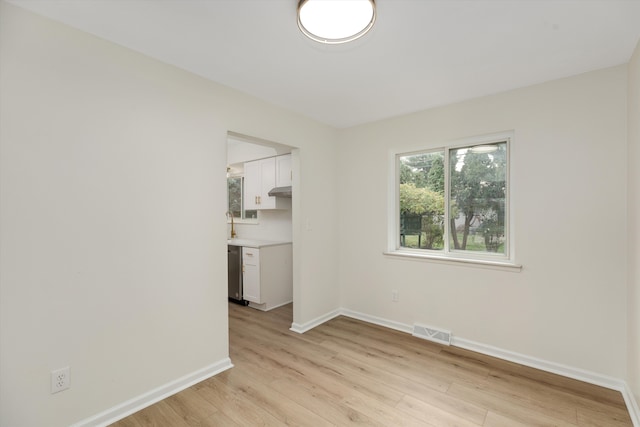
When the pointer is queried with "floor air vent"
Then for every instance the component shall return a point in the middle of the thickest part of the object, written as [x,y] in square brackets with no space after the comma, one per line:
[431,334]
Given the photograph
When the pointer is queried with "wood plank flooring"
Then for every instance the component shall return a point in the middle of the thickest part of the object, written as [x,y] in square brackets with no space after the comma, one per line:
[347,372]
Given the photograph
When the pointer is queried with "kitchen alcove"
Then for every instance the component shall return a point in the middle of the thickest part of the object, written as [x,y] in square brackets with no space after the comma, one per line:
[259,218]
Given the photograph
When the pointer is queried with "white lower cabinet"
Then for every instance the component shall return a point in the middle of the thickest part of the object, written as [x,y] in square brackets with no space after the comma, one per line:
[267,276]
[251,274]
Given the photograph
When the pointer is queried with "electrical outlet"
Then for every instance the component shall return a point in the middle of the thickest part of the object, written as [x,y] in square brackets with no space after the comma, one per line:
[394,295]
[60,380]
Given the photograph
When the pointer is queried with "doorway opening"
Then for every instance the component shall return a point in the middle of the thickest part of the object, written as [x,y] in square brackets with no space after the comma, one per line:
[260,209]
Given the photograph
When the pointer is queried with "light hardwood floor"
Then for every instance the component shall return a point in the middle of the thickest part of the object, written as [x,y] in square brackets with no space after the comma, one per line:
[348,372]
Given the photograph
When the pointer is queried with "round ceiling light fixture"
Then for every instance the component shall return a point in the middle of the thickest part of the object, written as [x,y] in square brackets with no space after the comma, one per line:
[336,21]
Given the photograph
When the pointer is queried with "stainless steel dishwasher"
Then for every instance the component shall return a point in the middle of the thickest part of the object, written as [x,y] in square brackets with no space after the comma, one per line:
[234,257]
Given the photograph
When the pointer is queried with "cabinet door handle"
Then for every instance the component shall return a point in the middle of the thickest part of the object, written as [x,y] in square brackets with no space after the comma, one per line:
[249,253]
[255,199]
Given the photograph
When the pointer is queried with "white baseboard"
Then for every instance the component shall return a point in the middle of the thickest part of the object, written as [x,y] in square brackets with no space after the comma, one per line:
[556,368]
[279,305]
[304,327]
[265,307]
[377,320]
[127,408]
[543,365]
[632,405]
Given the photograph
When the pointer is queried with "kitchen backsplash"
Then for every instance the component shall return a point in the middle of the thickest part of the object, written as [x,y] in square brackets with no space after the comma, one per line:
[272,225]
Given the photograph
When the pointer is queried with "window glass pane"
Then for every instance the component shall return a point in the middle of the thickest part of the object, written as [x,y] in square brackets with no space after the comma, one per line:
[477,203]
[234,193]
[422,200]
[235,190]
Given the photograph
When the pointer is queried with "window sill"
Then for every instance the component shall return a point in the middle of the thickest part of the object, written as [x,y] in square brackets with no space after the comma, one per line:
[481,263]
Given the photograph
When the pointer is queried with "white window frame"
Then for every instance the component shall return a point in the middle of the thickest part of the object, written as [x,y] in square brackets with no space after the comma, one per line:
[242,219]
[447,255]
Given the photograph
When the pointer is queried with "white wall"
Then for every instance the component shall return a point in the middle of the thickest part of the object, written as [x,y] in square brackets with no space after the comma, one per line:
[271,225]
[240,152]
[112,224]
[567,305]
[633,194]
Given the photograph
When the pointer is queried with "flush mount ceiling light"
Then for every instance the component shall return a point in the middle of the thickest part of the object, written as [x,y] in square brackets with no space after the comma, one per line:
[336,21]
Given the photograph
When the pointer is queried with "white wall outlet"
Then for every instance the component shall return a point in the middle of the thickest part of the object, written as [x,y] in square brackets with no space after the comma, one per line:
[395,296]
[60,380]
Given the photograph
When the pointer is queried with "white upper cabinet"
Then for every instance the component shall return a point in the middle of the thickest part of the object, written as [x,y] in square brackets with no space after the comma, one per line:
[283,171]
[260,177]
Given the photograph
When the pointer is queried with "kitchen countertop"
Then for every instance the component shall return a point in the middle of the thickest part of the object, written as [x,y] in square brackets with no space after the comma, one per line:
[255,243]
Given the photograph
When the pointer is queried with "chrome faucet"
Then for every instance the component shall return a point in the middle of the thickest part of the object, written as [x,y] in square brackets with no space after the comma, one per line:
[233,230]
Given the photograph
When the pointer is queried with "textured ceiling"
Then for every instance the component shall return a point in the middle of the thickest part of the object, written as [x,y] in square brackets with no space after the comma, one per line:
[420,54]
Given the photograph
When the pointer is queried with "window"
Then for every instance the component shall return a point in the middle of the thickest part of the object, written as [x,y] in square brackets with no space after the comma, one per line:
[235,200]
[454,202]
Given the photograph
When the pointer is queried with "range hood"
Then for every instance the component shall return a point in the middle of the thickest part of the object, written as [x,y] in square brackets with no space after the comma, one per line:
[281,192]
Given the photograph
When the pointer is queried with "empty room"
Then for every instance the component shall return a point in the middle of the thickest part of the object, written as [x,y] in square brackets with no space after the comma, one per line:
[224,213]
